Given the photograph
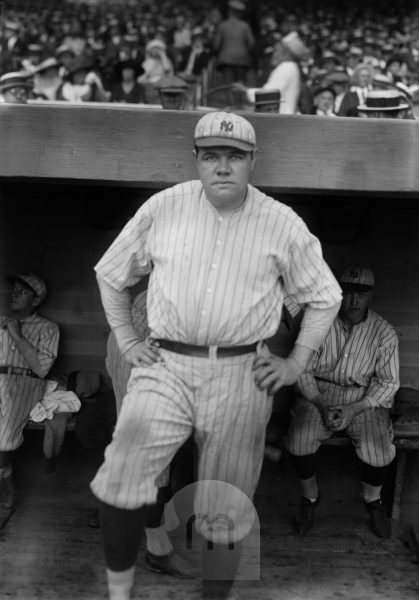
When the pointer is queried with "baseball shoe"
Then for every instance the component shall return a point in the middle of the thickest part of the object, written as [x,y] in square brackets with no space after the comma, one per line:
[8,495]
[304,521]
[379,521]
[168,564]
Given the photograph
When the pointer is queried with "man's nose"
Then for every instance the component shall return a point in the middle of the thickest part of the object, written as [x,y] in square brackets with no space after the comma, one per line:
[223,165]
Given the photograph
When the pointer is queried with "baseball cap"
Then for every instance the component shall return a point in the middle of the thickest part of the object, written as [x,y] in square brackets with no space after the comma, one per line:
[224,129]
[357,278]
[32,282]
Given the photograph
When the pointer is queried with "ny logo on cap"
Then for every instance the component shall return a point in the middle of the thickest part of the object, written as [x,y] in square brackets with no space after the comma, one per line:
[226,126]
[355,274]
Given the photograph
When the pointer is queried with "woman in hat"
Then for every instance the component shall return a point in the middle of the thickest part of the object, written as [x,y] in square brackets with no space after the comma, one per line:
[286,75]
[83,84]
[156,63]
[362,82]
[127,89]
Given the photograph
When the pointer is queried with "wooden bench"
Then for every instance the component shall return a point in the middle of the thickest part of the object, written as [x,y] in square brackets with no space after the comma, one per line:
[406,439]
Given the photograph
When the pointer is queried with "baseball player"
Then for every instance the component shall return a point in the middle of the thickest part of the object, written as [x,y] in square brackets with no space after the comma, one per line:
[221,255]
[349,386]
[28,348]
[160,556]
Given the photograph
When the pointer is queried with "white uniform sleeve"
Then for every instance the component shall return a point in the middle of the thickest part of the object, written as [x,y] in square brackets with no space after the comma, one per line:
[117,306]
[127,260]
[315,325]
[308,281]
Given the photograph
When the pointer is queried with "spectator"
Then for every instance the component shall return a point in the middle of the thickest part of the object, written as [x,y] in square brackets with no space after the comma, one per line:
[156,63]
[15,87]
[362,79]
[83,84]
[47,80]
[233,44]
[324,102]
[195,58]
[127,89]
[286,75]
[385,104]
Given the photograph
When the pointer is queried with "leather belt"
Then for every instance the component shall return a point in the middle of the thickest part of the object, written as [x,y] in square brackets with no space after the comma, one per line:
[18,371]
[191,350]
[357,385]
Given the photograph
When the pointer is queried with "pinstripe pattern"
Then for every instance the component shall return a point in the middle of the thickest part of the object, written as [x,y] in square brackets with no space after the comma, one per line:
[118,368]
[219,281]
[19,394]
[362,364]
[164,403]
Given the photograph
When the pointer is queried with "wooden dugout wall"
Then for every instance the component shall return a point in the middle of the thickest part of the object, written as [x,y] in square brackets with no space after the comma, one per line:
[354,181]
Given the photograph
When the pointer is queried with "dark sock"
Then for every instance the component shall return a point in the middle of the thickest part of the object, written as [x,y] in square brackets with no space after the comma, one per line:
[305,466]
[121,532]
[374,476]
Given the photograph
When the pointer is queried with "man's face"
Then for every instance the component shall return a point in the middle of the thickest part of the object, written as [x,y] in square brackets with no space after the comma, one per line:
[16,95]
[23,300]
[325,101]
[364,77]
[224,173]
[354,306]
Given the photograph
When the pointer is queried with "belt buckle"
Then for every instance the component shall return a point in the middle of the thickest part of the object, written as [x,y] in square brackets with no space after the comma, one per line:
[212,352]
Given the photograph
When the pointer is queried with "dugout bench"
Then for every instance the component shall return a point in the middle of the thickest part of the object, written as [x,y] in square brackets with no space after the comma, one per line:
[405,417]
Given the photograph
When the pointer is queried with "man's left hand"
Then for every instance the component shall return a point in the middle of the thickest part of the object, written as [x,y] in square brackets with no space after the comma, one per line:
[273,372]
[343,418]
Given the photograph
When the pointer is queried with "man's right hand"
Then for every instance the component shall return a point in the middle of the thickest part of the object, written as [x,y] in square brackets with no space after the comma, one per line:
[146,353]
[325,411]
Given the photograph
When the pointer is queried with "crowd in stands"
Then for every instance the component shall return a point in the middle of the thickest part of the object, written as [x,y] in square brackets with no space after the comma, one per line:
[332,56]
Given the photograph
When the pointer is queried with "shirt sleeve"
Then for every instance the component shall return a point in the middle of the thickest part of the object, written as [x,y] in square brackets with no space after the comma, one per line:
[307,278]
[385,381]
[47,347]
[306,384]
[127,260]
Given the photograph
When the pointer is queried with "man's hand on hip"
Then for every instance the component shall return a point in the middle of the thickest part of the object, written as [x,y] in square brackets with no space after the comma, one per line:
[273,372]
[146,352]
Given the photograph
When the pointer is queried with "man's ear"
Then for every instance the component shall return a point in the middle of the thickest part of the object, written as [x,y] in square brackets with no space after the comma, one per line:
[36,301]
[195,155]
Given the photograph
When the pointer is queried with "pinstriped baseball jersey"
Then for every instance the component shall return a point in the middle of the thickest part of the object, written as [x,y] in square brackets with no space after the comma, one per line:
[362,363]
[355,364]
[19,394]
[218,280]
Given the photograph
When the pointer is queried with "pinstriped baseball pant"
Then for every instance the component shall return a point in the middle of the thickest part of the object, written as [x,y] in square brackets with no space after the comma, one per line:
[18,395]
[371,433]
[218,399]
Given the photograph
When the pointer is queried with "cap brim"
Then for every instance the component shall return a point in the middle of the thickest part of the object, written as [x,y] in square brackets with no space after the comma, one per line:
[213,142]
[14,278]
[354,287]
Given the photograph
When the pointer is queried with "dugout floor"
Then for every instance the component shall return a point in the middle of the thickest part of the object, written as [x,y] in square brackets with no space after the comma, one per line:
[47,552]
